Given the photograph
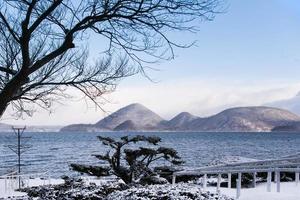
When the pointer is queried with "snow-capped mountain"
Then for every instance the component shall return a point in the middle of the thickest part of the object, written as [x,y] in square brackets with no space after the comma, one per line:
[245,119]
[138,114]
[126,126]
[132,117]
[180,121]
[137,117]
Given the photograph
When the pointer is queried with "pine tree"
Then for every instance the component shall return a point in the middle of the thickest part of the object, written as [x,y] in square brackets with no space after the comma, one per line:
[128,163]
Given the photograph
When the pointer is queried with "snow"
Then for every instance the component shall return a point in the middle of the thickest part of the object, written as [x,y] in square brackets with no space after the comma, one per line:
[8,191]
[181,191]
[100,180]
[289,191]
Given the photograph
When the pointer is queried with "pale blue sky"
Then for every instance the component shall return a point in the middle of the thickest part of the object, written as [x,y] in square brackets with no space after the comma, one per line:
[249,55]
[253,40]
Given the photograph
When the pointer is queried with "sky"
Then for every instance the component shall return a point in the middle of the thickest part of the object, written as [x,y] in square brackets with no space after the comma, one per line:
[249,55]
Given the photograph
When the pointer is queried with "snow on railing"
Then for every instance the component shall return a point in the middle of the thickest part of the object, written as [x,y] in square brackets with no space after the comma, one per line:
[293,160]
[8,183]
[276,166]
[244,169]
[13,180]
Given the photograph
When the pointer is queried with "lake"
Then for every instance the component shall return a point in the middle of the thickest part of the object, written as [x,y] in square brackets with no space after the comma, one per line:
[54,152]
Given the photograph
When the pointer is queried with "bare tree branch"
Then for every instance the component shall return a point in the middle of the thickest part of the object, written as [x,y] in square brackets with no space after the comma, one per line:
[43,49]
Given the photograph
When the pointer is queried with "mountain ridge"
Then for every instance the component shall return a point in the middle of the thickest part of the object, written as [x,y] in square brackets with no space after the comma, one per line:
[136,113]
[4,127]
[136,117]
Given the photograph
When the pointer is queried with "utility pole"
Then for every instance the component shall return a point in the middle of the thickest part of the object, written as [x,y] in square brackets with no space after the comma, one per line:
[20,147]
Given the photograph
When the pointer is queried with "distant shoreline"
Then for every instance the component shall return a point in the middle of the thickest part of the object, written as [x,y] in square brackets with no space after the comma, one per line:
[152,131]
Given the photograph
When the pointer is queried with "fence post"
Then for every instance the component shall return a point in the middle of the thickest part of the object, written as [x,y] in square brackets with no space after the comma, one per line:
[219,183]
[297,177]
[49,179]
[204,181]
[278,180]
[173,179]
[5,187]
[229,180]
[269,180]
[26,181]
[238,186]
[254,179]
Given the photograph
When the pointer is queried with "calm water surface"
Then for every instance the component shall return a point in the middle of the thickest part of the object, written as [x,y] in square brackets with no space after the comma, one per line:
[54,152]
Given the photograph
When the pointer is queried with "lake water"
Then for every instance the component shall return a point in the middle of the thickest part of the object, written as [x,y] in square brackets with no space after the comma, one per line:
[54,152]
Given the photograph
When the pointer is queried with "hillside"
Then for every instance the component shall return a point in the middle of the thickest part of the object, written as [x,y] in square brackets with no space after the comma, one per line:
[79,128]
[8,128]
[290,127]
[5,127]
[126,126]
[180,121]
[130,118]
[244,119]
[136,117]
[138,114]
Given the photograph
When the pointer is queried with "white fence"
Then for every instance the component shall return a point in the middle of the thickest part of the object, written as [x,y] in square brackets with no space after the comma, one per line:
[278,166]
[13,181]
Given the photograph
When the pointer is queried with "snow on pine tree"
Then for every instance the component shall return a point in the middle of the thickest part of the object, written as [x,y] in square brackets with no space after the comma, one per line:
[130,163]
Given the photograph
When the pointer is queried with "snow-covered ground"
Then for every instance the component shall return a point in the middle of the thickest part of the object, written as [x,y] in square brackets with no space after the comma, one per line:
[289,191]
[6,189]
[180,191]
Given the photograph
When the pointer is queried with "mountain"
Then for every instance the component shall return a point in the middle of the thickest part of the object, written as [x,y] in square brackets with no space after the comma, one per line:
[43,128]
[180,121]
[291,104]
[8,128]
[136,117]
[5,127]
[130,118]
[245,119]
[79,128]
[287,128]
[138,114]
[290,127]
[126,126]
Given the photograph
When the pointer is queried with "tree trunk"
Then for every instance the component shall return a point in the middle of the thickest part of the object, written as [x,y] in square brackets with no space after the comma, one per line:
[10,90]
[3,107]
[5,97]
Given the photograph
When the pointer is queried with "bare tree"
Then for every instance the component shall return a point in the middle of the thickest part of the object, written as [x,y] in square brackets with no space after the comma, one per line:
[43,47]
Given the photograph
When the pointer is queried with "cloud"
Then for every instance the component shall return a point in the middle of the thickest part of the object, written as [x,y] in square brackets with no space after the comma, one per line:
[199,97]
[202,97]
